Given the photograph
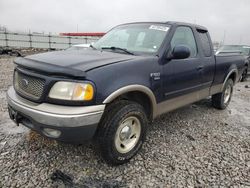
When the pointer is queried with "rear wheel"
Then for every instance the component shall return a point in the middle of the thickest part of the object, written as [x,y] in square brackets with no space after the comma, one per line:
[222,100]
[244,75]
[122,131]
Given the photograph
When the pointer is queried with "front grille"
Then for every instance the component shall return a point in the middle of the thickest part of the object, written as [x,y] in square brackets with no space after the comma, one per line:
[29,86]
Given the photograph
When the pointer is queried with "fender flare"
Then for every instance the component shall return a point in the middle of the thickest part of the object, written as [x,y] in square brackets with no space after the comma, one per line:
[228,75]
[131,88]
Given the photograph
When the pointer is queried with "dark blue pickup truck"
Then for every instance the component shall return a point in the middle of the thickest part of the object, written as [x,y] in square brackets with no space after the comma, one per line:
[112,90]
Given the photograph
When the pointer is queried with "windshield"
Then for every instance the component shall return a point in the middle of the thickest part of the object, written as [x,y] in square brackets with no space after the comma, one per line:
[245,50]
[135,38]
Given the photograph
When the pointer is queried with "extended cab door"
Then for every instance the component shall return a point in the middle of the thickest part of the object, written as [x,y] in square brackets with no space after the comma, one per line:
[182,76]
[207,58]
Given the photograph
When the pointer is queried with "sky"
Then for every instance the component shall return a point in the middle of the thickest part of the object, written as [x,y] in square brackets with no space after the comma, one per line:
[227,20]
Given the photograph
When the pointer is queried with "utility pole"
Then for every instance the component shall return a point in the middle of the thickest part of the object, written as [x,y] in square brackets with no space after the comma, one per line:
[6,37]
[224,37]
[30,39]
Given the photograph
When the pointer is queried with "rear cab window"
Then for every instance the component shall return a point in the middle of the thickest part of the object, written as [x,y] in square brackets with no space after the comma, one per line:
[205,43]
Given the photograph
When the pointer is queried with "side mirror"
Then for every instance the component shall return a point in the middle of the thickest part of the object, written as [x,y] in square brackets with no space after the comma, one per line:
[179,52]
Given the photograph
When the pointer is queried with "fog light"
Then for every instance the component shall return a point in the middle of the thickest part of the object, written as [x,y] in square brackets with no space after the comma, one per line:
[51,132]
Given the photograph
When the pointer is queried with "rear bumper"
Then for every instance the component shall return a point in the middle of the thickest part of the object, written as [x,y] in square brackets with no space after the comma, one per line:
[71,124]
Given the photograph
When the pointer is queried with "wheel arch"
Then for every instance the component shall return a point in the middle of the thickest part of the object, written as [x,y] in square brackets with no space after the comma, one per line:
[138,93]
[233,74]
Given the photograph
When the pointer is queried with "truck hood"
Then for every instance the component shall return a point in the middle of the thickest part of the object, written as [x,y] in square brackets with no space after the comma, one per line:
[71,63]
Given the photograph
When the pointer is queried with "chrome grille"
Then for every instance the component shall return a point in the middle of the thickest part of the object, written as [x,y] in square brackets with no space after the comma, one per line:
[29,86]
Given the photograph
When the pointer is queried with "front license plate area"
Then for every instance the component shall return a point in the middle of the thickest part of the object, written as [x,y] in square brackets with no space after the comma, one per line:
[14,115]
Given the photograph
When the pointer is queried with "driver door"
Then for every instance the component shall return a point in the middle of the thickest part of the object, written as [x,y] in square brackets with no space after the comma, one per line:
[182,76]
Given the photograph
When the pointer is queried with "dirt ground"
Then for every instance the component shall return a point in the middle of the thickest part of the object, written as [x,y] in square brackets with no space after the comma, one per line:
[195,146]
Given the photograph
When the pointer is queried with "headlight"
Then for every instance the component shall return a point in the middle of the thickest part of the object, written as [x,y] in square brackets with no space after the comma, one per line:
[72,91]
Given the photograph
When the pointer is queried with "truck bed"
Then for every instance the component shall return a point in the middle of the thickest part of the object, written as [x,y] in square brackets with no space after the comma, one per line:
[225,63]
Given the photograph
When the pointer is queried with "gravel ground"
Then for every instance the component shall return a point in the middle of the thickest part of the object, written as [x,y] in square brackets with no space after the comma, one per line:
[195,146]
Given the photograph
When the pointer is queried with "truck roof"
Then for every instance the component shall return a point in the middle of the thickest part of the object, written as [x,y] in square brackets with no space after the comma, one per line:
[172,23]
[188,24]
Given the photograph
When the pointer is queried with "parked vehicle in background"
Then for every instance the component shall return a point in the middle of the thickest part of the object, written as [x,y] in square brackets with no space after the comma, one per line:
[242,49]
[78,47]
[9,51]
[111,91]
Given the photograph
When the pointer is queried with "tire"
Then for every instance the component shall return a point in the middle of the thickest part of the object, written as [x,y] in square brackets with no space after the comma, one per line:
[244,75]
[222,100]
[123,122]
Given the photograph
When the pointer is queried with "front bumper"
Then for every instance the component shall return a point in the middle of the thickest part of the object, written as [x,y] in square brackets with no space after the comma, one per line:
[75,124]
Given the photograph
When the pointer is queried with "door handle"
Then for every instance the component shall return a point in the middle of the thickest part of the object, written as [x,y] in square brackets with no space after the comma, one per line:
[200,67]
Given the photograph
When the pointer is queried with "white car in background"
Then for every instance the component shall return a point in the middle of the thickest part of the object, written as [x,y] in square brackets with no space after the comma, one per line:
[78,47]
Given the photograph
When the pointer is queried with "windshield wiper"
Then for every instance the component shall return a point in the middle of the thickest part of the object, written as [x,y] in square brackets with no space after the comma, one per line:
[118,48]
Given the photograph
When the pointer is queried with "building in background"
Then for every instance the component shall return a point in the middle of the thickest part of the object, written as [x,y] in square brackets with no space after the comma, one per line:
[3,28]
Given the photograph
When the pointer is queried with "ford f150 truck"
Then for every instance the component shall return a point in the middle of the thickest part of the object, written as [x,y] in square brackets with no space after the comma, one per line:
[114,89]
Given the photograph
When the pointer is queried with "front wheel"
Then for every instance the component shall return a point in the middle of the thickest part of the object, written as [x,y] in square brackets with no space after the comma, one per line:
[122,131]
[222,100]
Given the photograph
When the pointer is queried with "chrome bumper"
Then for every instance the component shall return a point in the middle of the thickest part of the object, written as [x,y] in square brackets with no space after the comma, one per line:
[55,115]
[74,123]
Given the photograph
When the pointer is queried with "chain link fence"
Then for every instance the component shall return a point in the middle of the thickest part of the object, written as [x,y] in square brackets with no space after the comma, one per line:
[26,40]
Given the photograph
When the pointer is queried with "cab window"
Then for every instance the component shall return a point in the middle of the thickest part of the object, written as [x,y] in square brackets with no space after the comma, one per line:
[206,47]
[184,36]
